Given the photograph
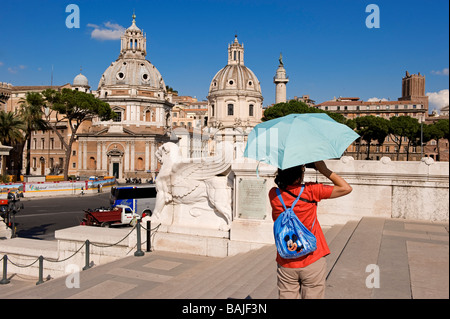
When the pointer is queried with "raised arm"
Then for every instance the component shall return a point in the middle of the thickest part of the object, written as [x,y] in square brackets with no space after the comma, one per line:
[341,187]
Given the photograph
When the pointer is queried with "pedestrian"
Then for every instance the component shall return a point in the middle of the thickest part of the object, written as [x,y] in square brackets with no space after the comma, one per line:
[305,276]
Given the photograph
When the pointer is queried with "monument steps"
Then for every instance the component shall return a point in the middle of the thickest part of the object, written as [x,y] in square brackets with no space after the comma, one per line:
[386,243]
[245,274]
[229,273]
[250,275]
[208,277]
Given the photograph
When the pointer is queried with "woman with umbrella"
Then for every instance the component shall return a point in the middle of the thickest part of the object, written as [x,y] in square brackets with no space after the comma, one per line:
[289,143]
[304,277]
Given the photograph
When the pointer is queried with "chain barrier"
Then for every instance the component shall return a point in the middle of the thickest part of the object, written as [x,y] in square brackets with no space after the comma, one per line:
[86,244]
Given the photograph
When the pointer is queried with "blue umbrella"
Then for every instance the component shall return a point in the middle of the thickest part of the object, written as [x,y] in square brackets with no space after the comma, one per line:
[297,139]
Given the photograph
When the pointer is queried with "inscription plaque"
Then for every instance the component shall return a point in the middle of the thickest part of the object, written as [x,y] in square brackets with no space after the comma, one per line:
[252,194]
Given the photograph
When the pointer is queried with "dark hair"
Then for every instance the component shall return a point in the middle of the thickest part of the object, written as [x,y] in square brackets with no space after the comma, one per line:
[289,176]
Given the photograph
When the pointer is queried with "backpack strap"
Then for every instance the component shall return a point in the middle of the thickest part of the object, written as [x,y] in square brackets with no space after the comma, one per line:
[296,200]
[301,198]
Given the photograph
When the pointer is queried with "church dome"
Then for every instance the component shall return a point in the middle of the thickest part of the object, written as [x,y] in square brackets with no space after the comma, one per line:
[80,80]
[132,68]
[132,72]
[235,76]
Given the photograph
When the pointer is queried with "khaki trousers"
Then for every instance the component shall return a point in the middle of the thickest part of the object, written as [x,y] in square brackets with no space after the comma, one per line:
[302,283]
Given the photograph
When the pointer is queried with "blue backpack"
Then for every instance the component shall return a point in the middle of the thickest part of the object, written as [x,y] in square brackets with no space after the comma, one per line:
[292,238]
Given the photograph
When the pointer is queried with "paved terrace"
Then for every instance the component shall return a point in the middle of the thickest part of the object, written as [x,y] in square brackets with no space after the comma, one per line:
[412,256]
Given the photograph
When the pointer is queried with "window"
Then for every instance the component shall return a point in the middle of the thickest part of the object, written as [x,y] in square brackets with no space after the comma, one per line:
[250,110]
[230,109]
[387,149]
[212,110]
[118,118]
[42,143]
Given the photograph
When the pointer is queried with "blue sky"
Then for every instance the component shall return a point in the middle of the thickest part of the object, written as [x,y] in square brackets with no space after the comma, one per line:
[328,51]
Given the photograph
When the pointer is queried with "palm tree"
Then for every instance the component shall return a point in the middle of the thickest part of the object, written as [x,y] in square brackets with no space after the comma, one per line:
[31,114]
[11,133]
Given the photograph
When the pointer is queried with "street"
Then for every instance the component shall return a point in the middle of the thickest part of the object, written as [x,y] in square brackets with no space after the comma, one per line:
[40,217]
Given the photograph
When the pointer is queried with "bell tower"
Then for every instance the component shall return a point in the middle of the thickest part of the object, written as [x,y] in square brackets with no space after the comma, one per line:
[133,43]
[413,89]
[235,52]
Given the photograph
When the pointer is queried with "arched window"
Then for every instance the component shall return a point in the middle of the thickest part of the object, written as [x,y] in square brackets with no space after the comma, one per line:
[230,109]
[148,115]
[251,110]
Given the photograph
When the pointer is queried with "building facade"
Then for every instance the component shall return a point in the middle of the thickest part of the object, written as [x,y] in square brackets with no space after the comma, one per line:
[234,97]
[412,103]
[134,88]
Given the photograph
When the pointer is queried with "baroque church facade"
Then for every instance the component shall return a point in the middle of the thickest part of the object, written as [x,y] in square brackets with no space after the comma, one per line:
[134,88]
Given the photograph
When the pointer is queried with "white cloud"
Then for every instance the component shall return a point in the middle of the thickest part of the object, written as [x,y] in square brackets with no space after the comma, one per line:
[110,31]
[444,71]
[375,99]
[438,100]
[1,63]
[15,69]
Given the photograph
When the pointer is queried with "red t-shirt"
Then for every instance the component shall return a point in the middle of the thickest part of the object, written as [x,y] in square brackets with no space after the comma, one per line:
[306,213]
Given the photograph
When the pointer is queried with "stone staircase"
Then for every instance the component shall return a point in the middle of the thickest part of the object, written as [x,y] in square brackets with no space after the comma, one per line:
[250,275]
[406,252]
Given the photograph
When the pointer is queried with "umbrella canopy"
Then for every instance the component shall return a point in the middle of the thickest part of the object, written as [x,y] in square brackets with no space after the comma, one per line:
[297,139]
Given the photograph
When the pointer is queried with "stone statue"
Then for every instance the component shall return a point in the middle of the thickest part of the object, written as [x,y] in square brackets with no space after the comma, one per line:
[280,59]
[194,192]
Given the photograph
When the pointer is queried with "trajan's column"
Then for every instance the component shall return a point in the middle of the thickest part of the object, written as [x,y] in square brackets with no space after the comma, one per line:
[280,79]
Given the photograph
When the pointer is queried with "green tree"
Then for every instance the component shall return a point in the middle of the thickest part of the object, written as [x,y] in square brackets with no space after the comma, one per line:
[11,131]
[72,108]
[401,127]
[31,113]
[293,106]
[372,128]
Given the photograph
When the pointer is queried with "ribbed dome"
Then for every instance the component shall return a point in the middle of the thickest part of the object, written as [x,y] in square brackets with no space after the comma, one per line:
[80,80]
[235,77]
[132,72]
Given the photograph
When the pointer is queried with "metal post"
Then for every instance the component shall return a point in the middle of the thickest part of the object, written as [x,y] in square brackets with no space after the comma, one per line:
[41,270]
[149,239]
[5,279]
[139,251]
[87,266]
